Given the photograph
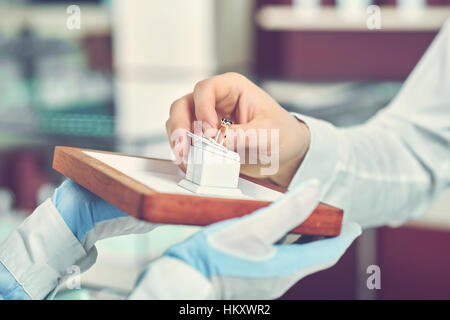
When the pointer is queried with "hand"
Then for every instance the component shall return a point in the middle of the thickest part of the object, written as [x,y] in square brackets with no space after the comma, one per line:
[60,233]
[90,218]
[239,258]
[234,97]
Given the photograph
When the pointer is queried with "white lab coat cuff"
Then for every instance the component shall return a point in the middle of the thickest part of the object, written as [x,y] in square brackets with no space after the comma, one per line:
[40,250]
[169,278]
[320,161]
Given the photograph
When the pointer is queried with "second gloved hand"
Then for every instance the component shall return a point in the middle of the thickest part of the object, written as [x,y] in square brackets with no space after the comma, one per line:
[90,218]
[61,233]
[239,258]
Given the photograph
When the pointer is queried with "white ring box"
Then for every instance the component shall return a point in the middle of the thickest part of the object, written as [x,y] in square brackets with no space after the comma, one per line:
[212,169]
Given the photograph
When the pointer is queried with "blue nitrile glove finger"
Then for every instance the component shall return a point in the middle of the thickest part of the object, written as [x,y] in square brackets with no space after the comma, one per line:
[91,218]
[237,258]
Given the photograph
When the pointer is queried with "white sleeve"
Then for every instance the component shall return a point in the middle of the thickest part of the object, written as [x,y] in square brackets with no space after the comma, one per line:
[38,253]
[392,168]
[169,278]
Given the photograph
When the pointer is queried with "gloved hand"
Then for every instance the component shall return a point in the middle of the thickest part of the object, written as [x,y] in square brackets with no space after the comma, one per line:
[59,234]
[239,258]
[90,218]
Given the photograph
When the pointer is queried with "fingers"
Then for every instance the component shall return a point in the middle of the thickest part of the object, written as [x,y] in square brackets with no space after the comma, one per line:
[211,99]
[272,223]
[320,254]
[336,246]
[180,121]
[218,94]
[266,226]
[350,231]
[182,111]
[205,101]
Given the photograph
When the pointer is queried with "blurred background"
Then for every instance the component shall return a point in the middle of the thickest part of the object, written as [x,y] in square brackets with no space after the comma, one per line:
[109,84]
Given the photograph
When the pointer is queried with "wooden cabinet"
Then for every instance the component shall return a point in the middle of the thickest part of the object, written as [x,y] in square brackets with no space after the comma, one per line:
[327,47]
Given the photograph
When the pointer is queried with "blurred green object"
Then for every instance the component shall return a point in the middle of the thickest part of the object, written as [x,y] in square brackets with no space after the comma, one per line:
[6,227]
[51,88]
[76,123]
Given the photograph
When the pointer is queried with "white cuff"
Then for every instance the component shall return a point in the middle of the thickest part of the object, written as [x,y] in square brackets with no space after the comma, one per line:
[320,161]
[40,250]
[169,278]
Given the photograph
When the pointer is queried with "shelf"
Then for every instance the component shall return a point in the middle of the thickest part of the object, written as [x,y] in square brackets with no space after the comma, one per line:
[21,124]
[51,19]
[288,18]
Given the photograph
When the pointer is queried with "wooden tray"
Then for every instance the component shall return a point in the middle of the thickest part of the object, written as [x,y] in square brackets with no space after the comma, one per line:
[147,189]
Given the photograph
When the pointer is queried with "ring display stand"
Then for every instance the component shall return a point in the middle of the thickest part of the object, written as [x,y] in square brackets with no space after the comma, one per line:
[149,189]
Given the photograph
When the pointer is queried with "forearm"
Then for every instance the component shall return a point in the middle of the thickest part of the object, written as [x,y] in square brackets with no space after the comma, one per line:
[370,173]
[392,168]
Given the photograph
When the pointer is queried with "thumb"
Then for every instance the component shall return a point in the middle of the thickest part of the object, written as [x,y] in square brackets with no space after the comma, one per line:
[271,223]
[254,235]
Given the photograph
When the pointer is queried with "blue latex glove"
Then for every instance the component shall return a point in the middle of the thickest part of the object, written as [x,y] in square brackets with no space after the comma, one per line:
[239,258]
[60,233]
[90,218]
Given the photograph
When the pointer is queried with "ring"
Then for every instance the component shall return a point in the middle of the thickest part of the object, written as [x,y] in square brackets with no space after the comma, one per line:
[225,125]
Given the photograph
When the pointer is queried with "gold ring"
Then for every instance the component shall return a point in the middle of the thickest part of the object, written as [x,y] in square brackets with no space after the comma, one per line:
[225,125]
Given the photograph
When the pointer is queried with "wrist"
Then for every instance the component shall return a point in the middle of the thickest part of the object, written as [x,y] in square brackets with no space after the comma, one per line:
[321,159]
[74,210]
[288,168]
